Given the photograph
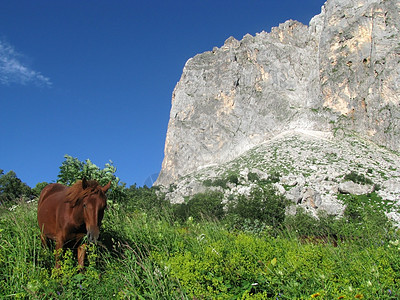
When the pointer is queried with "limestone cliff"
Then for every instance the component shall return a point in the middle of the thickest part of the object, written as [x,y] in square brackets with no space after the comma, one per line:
[342,71]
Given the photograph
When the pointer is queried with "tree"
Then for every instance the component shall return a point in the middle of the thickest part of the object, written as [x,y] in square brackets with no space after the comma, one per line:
[72,169]
[12,188]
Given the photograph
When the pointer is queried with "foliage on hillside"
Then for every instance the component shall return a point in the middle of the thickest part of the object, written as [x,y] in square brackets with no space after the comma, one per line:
[72,169]
[12,188]
[149,250]
[205,249]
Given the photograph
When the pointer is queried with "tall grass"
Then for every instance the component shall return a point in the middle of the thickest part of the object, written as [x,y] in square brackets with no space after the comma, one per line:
[21,258]
[152,256]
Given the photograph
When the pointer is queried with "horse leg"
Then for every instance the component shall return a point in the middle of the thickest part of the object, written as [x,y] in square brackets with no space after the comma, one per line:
[81,255]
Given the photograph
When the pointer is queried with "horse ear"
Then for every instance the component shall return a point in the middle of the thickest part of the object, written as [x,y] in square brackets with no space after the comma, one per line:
[84,183]
[106,187]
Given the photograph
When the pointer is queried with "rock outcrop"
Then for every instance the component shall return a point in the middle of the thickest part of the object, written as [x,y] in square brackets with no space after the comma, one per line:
[339,73]
[302,106]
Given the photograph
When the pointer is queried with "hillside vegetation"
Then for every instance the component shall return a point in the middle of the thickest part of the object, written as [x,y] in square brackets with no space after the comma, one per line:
[202,249]
[312,169]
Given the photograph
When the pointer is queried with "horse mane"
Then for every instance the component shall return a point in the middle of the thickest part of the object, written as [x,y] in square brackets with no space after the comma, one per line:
[76,193]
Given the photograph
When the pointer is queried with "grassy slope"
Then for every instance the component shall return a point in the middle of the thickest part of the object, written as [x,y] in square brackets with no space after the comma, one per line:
[321,161]
[303,153]
[151,257]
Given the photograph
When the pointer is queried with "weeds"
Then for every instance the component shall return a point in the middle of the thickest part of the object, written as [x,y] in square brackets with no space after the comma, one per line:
[154,255]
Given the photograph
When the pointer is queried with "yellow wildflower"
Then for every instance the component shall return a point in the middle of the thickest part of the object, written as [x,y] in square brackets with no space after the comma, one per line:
[315,295]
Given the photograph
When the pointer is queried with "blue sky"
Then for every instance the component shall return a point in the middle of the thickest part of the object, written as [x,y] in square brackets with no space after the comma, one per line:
[94,79]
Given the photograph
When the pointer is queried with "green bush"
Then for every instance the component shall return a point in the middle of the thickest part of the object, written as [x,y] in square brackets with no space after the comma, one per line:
[365,217]
[208,182]
[357,178]
[221,182]
[147,200]
[202,206]
[302,223]
[263,206]
[274,177]
[253,177]
[361,222]
[233,178]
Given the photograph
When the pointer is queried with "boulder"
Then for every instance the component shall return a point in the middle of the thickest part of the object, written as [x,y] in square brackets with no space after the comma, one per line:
[349,187]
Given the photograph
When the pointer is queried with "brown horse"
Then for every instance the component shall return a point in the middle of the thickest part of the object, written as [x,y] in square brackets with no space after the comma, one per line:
[67,214]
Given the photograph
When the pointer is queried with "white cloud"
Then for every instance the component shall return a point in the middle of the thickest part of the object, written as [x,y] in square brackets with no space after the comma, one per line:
[13,71]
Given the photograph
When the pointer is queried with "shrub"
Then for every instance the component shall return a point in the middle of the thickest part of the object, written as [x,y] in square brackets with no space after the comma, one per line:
[220,182]
[233,178]
[172,187]
[253,177]
[274,177]
[361,222]
[357,178]
[302,223]
[72,169]
[207,182]
[201,206]
[146,199]
[264,205]
[365,217]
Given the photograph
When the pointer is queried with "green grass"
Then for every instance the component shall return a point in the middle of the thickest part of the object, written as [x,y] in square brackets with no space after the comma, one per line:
[151,256]
[372,200]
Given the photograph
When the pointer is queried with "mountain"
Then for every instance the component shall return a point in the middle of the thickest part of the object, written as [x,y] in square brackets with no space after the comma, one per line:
[337,77]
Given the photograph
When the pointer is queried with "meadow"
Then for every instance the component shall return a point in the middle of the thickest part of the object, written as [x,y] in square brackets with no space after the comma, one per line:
[149,249]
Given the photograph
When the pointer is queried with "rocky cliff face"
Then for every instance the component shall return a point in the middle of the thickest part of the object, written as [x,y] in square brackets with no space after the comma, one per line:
[342,71]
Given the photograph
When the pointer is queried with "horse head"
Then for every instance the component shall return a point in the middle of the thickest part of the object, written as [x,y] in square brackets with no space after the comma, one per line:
[93,206]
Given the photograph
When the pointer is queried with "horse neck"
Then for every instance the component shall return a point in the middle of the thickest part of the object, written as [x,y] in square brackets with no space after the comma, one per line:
[76,214]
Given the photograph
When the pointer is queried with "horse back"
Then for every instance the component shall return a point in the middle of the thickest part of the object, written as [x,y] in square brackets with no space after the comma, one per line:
[49,190]
[51,208]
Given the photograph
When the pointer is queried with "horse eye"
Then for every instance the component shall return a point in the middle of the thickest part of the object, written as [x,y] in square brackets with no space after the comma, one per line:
[84,205]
